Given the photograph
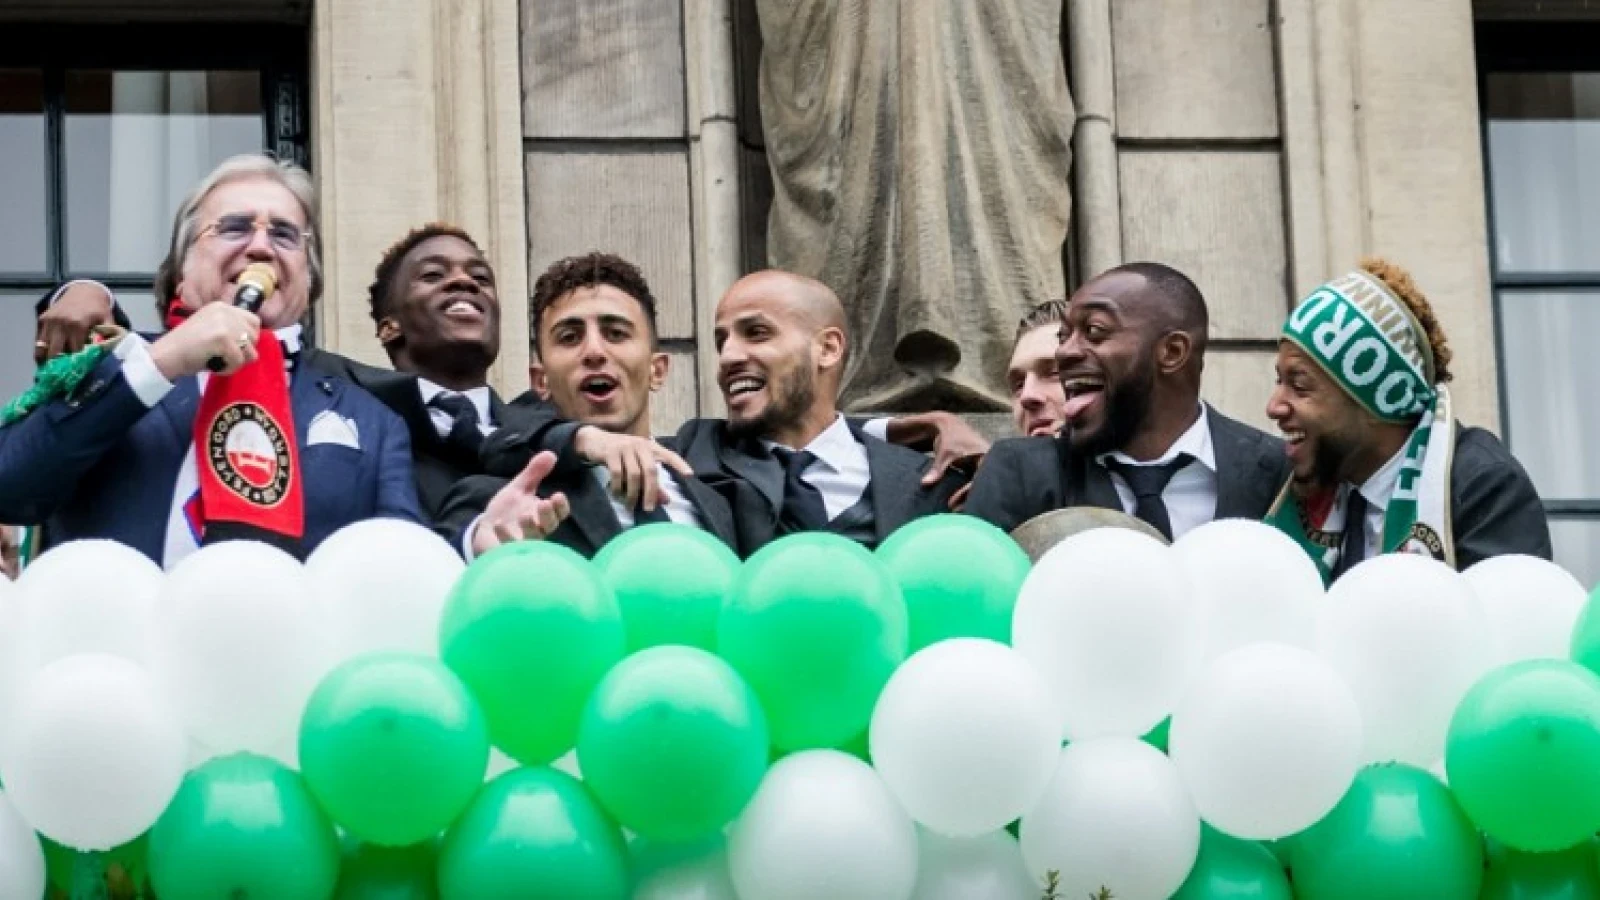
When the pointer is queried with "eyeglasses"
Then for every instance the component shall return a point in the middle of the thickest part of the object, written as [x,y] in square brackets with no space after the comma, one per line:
[239,228]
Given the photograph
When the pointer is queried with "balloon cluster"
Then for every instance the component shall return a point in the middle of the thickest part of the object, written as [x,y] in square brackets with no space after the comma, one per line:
[933,720]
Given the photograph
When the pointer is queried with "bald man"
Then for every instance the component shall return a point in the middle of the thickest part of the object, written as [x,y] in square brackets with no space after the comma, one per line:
[785,458]
[1136,436]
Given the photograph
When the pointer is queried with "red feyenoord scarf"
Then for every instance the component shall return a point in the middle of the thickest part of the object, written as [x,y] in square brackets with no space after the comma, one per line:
[247,455]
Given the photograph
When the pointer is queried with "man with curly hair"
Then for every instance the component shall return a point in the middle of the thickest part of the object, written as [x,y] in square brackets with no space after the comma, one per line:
[1379,463]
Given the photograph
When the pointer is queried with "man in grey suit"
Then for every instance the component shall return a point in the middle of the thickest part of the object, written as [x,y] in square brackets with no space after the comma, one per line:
[785,459]
[1380,463]
[1137,437]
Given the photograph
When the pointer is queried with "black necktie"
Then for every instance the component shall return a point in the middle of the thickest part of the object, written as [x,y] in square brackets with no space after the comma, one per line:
[1147,483]
[464,435]
[803,509]
[1353,545]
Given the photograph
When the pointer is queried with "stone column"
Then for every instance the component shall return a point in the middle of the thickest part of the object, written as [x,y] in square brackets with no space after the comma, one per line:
[418,118]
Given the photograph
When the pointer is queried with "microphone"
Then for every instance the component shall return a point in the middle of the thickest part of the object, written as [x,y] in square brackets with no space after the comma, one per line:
[256,284]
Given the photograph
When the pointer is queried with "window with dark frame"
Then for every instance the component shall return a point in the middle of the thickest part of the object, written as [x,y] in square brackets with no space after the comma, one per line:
[1539,85]
[102,131]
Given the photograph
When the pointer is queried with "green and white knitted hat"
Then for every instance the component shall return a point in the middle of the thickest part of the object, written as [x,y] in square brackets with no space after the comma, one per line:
[1365,336]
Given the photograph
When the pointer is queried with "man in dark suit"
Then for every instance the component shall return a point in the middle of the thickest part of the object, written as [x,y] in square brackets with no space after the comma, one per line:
[598,360]
[1380,465]
[1137,437]
[784,459]
[115,454]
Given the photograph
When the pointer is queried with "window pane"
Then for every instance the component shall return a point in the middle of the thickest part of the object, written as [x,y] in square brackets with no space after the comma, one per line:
[1544,138]
[136,142]
[141,309]
[23,223]
[1550,371]
[16,342]
[1577,546]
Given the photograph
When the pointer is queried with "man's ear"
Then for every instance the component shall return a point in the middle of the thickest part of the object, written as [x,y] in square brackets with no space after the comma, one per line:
[1173,351]
[659,364]
[538,380]
[830,347]
[388,331]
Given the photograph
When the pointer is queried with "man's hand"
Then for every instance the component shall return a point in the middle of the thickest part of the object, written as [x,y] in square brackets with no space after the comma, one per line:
[10,552]
[517,512]
[955,443]
[217,330]
[632,463]
[65,327]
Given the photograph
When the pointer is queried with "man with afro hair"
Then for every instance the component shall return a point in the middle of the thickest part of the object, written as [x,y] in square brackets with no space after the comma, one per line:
[1379,463]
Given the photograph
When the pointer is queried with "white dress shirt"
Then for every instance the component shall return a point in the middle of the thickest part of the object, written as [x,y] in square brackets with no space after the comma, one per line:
[442,422]
[841,473]
[1377,490]
[680,508]
[1191,495]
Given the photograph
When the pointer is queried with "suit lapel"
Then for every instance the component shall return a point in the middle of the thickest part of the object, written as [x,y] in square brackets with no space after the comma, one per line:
[591,510]
[761,470]
[895,485]
[310,393]
[497,409]
[1097,487]
[1238,468]
[715,512]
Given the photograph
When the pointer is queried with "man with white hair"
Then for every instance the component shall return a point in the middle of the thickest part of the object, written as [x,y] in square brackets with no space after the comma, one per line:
[213,430]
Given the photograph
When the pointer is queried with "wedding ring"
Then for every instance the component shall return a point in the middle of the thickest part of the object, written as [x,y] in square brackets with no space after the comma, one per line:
[40,345]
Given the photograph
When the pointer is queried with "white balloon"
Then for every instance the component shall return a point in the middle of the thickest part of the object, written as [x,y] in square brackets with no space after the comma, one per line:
[1531,606]
[1115,816]
[242,648]
[1267,741]
[696,876]
[87,597]
[10,625]
[822,826]
[965,734]
[383,583]
[1108,620]
[95,753]
[1251,583]
[989,866]
[1408,636]
[22,869]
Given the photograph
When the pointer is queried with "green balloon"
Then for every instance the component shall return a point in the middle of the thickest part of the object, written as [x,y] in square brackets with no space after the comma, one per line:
[531,628]
[243,827]
[1571,874]
[533,834]
[370,872]
[1521,754]
[393,747]
[1586,634]
[673,743]
[959,576]
[1397,833]
[1232,869]
[670,581]
[126,866]
[816,625]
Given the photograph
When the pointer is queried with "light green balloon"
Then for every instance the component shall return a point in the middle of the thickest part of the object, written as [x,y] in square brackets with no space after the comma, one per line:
[1397,834]
[673,743]
[243,827]
[531,628]
[670,581]
[1521,754]
[1232,869]
[816,625]
[959,576]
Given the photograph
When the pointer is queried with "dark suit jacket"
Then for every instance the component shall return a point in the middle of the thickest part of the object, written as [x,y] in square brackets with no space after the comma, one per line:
[746,476]
[1025,477]
[101,465]
[1494,508]
[438,465]
[593,522]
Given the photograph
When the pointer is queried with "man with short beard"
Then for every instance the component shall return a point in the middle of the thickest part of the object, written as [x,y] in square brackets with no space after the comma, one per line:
[1136,437]
[1379,463]
[785,458]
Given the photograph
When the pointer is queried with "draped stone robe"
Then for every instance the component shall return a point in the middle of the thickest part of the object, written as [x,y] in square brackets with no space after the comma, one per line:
[920,154]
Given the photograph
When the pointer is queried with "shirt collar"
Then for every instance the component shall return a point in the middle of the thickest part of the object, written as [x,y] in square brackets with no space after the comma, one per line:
[1380,487]
[1196,442]
[832,447]
[478,395]
[290,337]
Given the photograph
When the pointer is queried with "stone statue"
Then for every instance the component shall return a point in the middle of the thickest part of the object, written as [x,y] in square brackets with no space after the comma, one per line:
[920,152]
